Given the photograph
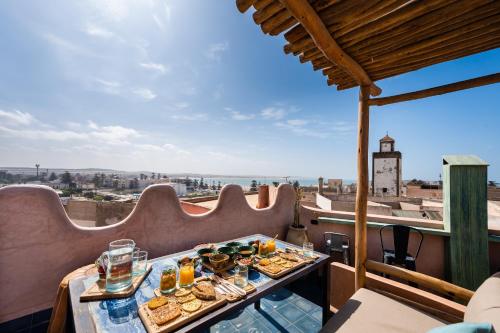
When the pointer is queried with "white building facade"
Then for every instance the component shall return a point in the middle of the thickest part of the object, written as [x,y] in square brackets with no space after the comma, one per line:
[387,169]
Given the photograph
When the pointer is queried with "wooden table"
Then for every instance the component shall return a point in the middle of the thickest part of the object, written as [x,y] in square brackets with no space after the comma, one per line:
[95,316]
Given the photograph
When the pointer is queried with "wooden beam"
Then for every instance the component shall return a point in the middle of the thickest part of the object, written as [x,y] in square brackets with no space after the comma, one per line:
[307,16]
[243,5]
[362,188]
[447,88]
[422,280]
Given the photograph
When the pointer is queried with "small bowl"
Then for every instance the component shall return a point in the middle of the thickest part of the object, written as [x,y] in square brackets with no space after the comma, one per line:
[254,243]
[245,262]
[197,261]
[205,253]
[236,245]
[246,251]
[230,251]
[219,260]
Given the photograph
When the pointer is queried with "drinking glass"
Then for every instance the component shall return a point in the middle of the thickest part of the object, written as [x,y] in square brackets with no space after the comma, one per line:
[271,246]
[263,250]
[168,279]
[308,249]
[140,262]
[119,269]
[241,276]
[186,275]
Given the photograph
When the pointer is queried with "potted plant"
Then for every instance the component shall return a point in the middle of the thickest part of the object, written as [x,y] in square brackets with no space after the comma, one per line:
[297,233]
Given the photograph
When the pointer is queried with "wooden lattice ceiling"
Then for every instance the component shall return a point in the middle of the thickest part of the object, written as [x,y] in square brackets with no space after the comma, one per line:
[384,37]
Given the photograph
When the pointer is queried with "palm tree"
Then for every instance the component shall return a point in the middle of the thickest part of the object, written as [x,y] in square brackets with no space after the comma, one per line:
[37,167]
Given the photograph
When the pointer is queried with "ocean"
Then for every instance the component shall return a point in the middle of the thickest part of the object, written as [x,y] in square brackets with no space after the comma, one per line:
[246,182]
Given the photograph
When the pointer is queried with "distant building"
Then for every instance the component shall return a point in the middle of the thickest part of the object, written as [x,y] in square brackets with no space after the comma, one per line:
[386,169]
[335,185]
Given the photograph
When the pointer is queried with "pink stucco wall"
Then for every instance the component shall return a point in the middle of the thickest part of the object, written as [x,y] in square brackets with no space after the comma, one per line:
[39,244]
[432,255]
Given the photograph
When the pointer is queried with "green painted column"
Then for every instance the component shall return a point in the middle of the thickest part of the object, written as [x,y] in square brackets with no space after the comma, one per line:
[466,218]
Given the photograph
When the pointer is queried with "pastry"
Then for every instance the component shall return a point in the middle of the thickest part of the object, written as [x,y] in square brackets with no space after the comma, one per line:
[204,291]
[192,306]
[156,302]
[182,292]
[287,264]
[288,256]
[184,299]
[166,313]
[273,268]
[264,262]
[275,259]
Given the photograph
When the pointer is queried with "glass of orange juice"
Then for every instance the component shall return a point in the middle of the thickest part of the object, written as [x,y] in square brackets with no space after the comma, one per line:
[186,275]
[271,246]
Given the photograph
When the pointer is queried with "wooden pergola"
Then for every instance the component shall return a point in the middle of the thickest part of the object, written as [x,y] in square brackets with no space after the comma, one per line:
[358,42]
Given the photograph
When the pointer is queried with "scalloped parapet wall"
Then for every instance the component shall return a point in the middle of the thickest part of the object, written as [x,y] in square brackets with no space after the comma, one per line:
[39,244]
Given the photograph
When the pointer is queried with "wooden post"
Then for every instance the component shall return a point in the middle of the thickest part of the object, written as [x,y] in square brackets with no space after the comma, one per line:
[466,218]
[362,187]
[263,198]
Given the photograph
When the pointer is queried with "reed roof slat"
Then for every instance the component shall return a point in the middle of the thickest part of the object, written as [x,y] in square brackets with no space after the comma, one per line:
[384,37]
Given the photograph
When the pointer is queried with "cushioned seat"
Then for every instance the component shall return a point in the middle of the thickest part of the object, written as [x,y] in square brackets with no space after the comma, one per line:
[484,306]
[368,311]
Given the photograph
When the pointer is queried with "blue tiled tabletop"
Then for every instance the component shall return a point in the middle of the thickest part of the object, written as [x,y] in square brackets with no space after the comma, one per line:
[120,315]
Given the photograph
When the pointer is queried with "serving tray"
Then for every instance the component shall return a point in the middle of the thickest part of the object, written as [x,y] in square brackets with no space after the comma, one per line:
[185,317]
[97,291]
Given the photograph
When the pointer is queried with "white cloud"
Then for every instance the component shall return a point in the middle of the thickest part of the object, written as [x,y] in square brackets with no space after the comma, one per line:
[109,87]
[16,117]
[190,117]
[214,51]
[159,22]
[159,68]
[343,127]
[236,115]
[144,93]
[181,105]
[175,149]
[37,134]
[297,122]
[296,126]
[94,30]
[64,45]
[114,133]
[273,113]
[168,12]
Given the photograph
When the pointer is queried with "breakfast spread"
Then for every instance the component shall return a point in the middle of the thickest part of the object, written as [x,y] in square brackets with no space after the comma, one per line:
[183,297]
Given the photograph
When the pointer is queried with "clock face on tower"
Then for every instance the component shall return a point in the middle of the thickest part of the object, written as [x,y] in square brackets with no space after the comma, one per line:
[386,147]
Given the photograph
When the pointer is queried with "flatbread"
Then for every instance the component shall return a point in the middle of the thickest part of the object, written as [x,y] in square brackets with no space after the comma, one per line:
[273,268]
[192,306]
[204,291]
[275,259]
[166,313]
[182,292]
[287,264]
[187,298]
[289,256]
[156,302]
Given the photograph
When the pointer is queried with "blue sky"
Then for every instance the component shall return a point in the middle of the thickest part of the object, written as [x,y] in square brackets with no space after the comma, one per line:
[194,86]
